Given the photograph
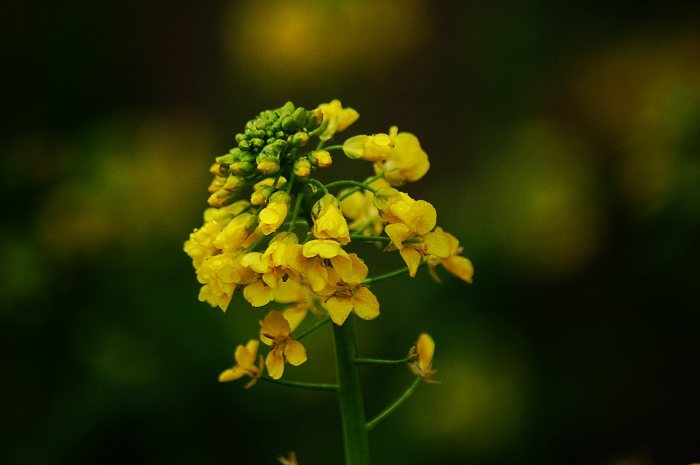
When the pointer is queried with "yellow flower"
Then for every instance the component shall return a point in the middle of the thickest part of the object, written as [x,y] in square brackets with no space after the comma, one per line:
[301,295]
[262,290]
[236,232]
[276,332]
[312,261]
[335,118]
[457,265]
[221,274]
[245,364]
[272,216]
[345,294]
[423,351]
[406,162]
[377,147]
[414,239]
[330,222]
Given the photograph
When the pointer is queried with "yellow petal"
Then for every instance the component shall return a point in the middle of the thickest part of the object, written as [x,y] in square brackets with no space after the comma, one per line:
[412,258]
[425,347]
[460,267]
[275,324]
[338,309]
[275,364]
[258,294]
[366,305]
[295,315]
[232,374]
[295,353]
[422,217]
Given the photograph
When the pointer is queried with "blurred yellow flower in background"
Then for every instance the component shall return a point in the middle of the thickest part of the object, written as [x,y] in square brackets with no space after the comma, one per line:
[282,44]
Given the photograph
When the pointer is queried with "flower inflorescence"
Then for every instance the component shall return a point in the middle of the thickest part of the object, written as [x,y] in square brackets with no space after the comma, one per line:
[278,234]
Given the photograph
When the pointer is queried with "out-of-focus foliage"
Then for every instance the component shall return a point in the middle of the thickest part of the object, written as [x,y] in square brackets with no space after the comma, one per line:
[565,154]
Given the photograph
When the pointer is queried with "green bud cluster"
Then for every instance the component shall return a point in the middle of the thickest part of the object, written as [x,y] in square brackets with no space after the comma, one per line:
[268,147]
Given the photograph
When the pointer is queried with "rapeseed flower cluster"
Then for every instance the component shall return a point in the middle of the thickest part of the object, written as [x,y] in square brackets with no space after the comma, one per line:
[276,234]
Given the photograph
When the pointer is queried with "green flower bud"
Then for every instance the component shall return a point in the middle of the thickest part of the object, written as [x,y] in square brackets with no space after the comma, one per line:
[300,116]
[244,145]
[298,140]
[302,167]
[240,137]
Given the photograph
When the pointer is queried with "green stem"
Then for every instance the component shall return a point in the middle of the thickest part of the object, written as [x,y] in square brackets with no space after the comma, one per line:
[376,361]
[313,328]
[384,276]
[319,184]
[360,237]
[295,213]
[302,385]
[397,403]
[333,147]
[357,185]
[352,410]
[364,183]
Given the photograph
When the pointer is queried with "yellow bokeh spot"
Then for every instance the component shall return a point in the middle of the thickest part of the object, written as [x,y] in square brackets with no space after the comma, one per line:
[281,44]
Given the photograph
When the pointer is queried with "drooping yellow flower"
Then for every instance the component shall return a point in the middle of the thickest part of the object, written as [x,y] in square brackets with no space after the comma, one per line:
[276,333]
[377,147]
[345,294]
[406,162]
[335,118]
[329,221]
[272,216]
[456,264]
[245,364]
[423,351]
[413,238]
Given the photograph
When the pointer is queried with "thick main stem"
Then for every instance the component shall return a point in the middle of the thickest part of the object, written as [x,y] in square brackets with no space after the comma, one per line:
[352,409]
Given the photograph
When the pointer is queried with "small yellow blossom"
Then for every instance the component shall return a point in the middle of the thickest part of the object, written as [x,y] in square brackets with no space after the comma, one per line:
[221,274]
[245,364]
[406,162]
[276,332]
[346,294]
[335,118]
[330,222]
[377,147]
[456,264]
[272,216]
[300,294]
[423,351]
[236,232]
[311,260]
[413,238]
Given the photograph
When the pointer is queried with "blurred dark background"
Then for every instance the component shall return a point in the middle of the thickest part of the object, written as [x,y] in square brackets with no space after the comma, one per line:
[564,140]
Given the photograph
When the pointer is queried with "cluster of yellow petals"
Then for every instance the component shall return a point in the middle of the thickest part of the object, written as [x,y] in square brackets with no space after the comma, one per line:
[359,207]
[398,155]
[335,118]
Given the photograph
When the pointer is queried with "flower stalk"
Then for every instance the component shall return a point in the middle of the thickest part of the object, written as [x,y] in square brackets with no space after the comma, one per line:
[352,410]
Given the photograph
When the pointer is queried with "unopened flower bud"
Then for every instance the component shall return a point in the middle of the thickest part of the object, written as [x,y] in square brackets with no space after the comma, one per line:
[299,139]
[384,197]
[261,194]
[302,167]
[216,184]
[234,183]
[321,158]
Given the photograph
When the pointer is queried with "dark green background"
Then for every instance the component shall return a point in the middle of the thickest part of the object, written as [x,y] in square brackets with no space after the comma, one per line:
[565,149]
